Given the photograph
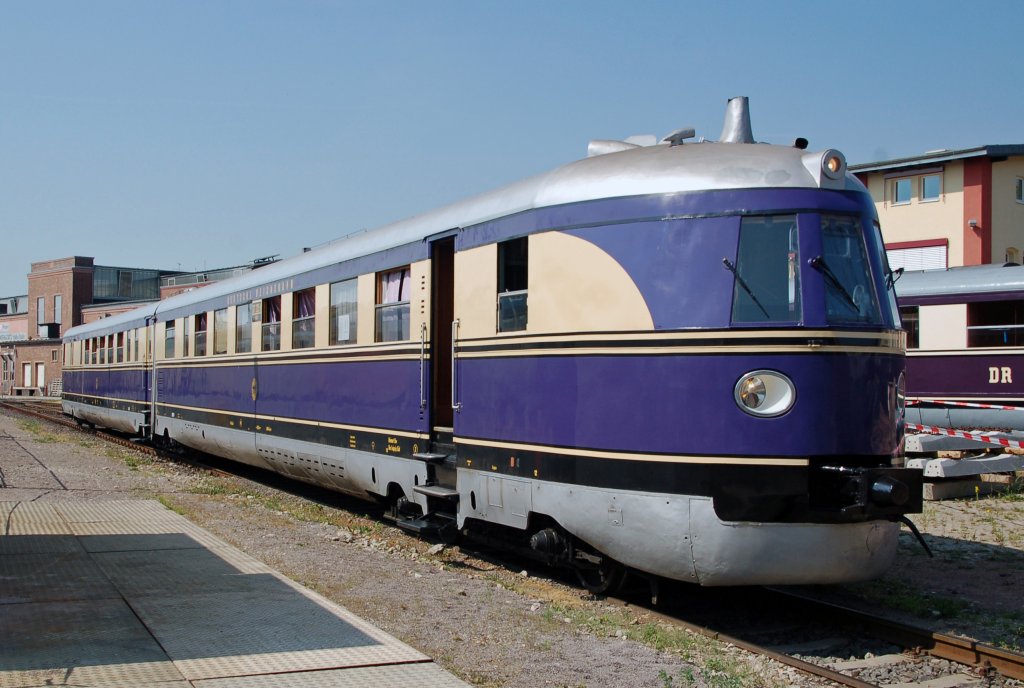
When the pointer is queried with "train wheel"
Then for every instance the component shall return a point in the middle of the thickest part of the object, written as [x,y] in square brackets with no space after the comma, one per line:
[604,578]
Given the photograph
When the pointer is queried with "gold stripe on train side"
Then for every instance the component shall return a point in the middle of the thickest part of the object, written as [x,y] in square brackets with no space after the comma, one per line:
[628,456]
[615,343]
[297,421]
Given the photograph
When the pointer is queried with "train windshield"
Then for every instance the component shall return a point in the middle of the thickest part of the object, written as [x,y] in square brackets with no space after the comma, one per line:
[767,270]
[849,291]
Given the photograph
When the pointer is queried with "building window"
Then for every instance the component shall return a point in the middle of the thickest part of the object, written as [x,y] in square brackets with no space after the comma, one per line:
[272,324]
[169,339]
[911,318]
[931,187]
[243,328]
[1020,190]
[767,272]
[343,312]
[53,355]
[512,283]
[41,310]
[932,257]
[220,331]
[201,334]
[57,315]
[902,189]
[303,318]
[393,289]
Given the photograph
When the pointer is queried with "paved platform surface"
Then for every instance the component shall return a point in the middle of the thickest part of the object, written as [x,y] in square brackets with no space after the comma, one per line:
[129,594]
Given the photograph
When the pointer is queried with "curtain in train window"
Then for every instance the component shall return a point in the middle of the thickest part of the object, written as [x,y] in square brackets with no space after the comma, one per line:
[220,331]
[272,324]
[393,289]
[767,271]
[343,312]
[201,334]
[243,328]
[304,322]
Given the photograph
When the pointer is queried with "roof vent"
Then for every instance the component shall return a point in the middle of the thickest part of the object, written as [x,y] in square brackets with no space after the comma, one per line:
[679,135]
[737,122]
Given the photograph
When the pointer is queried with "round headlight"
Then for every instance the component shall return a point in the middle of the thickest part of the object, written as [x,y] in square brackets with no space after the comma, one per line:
[764,393]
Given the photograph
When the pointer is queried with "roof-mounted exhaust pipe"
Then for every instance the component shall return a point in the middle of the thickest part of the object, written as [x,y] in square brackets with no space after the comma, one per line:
[737,122]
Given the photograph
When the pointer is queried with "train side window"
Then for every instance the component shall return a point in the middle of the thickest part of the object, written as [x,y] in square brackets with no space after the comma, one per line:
[243,328]
[129,337]
[201,334]
[995,323]
[343,312]
[393,289]
[1020,190]
[120,347]
[303,318]
[87,352]
[220,331]
[271,324]
[186,335]
[169,339]
[911,318]
[512,284]
[767,270]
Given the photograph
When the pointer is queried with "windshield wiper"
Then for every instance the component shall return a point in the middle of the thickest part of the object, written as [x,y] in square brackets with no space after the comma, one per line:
[818,263]
[732,268]
[893,277]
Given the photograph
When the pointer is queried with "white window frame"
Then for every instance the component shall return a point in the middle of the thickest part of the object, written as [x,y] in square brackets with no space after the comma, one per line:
[938,196]
[895,185]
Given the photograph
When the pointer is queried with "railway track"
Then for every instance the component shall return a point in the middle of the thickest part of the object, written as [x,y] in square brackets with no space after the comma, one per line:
[982,664]
[899,649]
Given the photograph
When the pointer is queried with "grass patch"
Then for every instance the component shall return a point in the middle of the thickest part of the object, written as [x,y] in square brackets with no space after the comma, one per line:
[906,598]
[38,431]
[714,666]
[131,459]
[171,505]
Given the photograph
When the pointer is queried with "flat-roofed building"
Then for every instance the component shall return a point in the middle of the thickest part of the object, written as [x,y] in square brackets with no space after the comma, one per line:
[948,208]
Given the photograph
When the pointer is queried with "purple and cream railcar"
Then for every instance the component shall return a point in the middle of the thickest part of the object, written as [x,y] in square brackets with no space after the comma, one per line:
[965,333]
[679,358]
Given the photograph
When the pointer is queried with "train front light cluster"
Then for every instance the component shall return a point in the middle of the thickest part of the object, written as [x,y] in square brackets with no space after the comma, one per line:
[764,393]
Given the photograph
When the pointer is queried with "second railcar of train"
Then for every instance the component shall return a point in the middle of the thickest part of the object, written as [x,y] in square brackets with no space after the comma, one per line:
[681,358]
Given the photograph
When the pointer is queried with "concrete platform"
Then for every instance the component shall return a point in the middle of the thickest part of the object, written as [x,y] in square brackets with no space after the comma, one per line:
[130,594]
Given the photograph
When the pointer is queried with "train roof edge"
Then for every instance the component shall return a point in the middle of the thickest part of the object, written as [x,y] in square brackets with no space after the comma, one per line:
[640,170]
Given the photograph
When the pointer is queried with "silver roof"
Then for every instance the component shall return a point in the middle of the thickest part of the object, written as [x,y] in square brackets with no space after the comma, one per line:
[972,279]
[642,170]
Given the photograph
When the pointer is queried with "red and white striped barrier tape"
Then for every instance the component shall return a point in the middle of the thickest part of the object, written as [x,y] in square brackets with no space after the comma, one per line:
[979,437]
[964,404]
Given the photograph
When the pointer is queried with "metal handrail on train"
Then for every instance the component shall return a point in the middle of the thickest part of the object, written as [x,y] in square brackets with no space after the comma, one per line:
[456,404]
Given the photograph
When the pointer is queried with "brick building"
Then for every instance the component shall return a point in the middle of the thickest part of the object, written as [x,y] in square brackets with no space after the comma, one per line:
[71,291]
[57,291]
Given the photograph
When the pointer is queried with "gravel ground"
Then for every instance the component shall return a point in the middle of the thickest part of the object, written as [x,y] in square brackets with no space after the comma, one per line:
[493,626]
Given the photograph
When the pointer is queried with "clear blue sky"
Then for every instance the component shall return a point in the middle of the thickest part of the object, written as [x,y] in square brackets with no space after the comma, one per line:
[197,134]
